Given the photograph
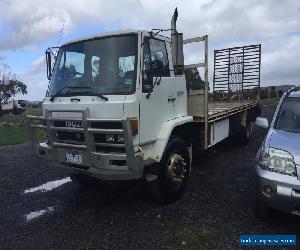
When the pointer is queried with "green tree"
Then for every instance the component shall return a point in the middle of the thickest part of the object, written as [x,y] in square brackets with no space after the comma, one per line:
[9,85]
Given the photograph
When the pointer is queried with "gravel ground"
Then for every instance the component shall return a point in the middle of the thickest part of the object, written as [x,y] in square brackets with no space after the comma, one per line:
[216,208]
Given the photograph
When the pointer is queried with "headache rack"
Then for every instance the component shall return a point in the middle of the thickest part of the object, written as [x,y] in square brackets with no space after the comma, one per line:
[237,73]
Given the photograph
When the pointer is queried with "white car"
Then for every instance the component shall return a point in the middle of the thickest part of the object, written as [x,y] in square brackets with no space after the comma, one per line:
[278,159]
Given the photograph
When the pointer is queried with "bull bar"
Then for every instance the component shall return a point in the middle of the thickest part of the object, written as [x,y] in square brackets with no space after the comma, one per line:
[98,164]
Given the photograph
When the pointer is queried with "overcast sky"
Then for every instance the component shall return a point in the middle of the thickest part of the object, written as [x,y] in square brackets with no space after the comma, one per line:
[28,27]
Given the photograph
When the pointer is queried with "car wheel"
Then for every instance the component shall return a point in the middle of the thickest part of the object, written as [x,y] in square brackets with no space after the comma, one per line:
[173,172]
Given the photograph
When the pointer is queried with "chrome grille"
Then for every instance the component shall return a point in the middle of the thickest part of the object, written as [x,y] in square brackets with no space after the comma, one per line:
[91,136]
[99,139]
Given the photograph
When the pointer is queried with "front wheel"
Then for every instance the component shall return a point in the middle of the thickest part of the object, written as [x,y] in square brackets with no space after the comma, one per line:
[173,172]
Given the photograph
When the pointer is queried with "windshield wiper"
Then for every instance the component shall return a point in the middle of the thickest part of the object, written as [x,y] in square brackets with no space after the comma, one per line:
[57,94]
[77,87]
[94,94]
[66,87]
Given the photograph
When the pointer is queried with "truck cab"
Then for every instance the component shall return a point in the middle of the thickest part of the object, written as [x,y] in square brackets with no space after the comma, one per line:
[112,104]
[124,106]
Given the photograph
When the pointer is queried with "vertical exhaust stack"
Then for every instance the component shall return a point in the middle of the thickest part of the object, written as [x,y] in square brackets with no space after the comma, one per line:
[177,46]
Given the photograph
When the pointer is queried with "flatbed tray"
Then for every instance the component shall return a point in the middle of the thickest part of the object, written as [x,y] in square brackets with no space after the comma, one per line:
[219,110]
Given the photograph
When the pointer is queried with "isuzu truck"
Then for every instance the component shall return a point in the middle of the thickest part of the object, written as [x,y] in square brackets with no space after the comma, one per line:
[124,106]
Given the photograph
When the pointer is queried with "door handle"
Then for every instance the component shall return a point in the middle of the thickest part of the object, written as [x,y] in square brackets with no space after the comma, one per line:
[171,99]
[75,99]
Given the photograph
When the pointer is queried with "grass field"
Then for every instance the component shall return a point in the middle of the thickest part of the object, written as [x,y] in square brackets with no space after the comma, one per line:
[13,128]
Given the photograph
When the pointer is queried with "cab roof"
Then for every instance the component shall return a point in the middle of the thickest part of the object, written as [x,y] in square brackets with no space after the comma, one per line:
[114,33]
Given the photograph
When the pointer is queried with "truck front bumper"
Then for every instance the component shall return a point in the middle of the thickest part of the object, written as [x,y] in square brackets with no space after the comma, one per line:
[122,162]
[279,191]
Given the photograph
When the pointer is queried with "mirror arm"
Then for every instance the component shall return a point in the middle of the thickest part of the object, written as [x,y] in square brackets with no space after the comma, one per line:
[156,82]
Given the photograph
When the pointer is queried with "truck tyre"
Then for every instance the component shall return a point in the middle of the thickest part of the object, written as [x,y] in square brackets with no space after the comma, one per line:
[244,136]
[173,172]
[83,181]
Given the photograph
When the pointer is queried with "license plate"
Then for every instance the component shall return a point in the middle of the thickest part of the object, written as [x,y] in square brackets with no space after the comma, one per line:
[74,158]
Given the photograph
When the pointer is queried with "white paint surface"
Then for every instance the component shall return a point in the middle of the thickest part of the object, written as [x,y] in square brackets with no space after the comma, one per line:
[35,214]
[48,186]
[219,131]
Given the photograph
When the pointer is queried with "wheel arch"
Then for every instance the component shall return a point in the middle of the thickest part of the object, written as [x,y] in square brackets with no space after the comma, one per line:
[182,132]
[172,127]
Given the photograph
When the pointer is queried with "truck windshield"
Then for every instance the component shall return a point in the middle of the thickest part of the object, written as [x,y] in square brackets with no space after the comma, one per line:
[99,66]
[288,118]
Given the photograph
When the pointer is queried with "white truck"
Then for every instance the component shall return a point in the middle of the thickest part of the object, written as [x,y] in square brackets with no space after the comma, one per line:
[14,106]
[123,106]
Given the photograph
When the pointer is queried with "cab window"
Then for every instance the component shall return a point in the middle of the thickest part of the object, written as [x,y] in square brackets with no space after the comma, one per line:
[156,57]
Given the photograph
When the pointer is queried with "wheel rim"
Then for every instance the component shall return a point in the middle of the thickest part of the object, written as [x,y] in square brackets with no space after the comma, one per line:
[176,168]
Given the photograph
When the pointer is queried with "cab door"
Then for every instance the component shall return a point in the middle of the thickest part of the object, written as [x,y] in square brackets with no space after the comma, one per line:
[156,107]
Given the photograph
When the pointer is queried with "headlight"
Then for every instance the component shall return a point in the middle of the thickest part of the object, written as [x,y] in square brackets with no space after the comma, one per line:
[277,160]
[110,138]
[120,139]
[114,138]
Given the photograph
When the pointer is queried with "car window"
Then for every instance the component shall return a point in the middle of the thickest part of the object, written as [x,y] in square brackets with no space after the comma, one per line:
[156,57]
[288,117]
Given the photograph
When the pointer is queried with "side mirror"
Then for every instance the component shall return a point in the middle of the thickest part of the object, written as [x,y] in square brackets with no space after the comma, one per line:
[157,68]
[147,81]
[262,122]
[49,64]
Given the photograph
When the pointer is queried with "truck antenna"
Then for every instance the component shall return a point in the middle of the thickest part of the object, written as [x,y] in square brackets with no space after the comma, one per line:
[60,34]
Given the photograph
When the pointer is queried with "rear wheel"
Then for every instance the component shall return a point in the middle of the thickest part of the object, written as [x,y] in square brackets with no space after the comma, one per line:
[245,134]
[173,172]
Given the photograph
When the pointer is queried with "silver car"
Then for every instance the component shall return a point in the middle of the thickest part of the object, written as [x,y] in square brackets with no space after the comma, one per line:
[278,159]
